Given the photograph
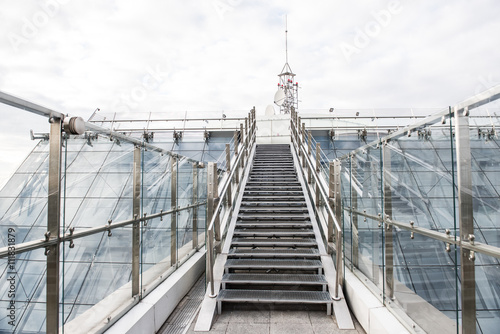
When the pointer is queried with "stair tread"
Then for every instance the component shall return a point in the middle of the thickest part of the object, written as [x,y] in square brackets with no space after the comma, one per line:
[273,263]
[269,296]
[274,278]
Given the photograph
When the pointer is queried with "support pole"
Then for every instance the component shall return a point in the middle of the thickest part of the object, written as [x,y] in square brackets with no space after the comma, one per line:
[173,205]
[194,202]
[213,198]
[53,225]
[237,171]
[389,251]
[331,199]
[242,140]
[318,149]
[228,170]
[354,217]
[136,228]
[465,216]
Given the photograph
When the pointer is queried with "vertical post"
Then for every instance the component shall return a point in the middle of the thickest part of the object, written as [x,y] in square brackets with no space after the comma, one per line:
[236,172]
[228,169]
[304,142]
[246,136]
[354,216]
[338,199]
[389,257]
[309,152]
[53,225]
[136,228]
[338,216]
[318,148]
[466,222]
[309,143]
[173,205]
[299,141]
[194,202]
[212,198]
[242,138]
[331,199]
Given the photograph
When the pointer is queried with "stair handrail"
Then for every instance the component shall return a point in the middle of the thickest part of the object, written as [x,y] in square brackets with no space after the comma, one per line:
[330,213]
[244,148]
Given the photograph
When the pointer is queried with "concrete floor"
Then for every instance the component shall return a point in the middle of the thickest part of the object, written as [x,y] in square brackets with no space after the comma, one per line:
[271,321]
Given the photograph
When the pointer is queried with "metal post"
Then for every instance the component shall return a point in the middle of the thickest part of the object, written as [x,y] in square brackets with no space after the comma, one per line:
[210,262]
[331,198]
[237,171]
[228,169]
[299,141]
[213,197]
[246,136]
[194,202]
[173,205]
[242,138]
[318,148]
[309,143]
[53,225]
[389,256]
[337,209]
[465,216]
[136,214]
[354,217]
[304,142]
[338,216]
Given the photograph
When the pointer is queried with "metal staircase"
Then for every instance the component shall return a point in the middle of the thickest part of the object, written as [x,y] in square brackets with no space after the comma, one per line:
[274,256]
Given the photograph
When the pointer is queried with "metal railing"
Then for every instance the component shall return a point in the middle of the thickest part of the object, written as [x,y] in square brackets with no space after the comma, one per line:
[311,167]
[142,158]
[370,181]
[217,199]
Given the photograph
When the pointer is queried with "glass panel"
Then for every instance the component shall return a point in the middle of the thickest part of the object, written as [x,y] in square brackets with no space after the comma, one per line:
[485,167]
[422,191]
[184,198]
[156,195]
[98,266]
[22,290]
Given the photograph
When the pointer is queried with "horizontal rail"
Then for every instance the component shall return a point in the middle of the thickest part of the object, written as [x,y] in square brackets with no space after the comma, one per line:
[440,236]
[322,191]
[23,104]
[228,181]
[476,101]
[36,244]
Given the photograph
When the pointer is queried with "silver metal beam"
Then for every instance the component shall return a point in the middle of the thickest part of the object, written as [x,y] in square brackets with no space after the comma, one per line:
[136,227]
[354,216]
[465,216]
[228,168]
[53,226]
[389,251]
[173,204]
[195,209]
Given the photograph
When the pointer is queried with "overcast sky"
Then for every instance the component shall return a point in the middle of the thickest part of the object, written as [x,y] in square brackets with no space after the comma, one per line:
[212,55]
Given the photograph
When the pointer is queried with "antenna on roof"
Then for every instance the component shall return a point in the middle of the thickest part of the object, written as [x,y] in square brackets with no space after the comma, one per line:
[286,37]
[288,89]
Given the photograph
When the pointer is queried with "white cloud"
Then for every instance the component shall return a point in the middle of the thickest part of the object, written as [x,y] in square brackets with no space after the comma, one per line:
[90,54]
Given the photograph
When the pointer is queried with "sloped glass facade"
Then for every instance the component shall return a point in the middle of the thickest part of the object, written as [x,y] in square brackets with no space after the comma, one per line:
[97,190]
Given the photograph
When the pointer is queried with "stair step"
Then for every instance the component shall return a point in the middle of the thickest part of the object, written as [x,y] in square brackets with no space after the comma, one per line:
[272,233]
[274,210]
[278,217]
[264,264]
[274,279]
[274,296]
[246,203]
[302,242]
[270,224]
[276,253]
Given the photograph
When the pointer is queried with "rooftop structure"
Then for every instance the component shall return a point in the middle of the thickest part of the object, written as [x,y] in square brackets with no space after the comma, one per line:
[120,215]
